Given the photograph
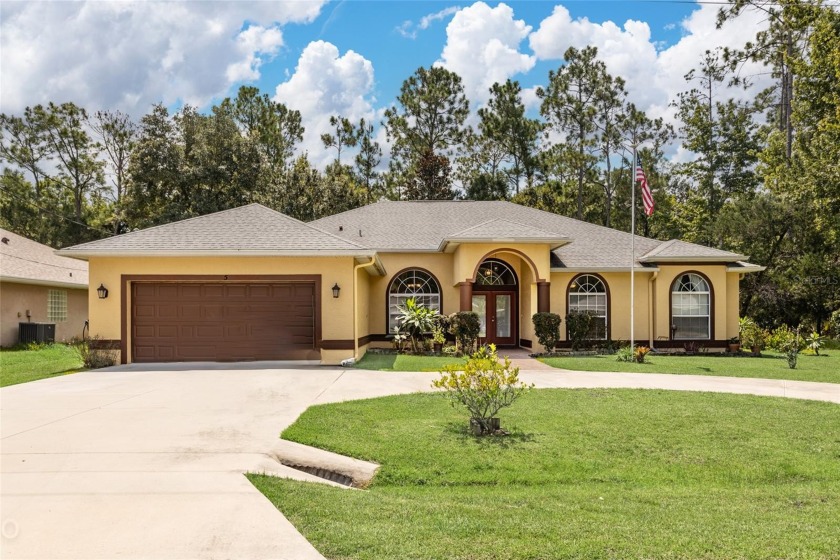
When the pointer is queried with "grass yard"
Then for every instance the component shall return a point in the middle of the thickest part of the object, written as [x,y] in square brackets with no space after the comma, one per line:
[20,366]
[770,365]
[405,362]
[585,474]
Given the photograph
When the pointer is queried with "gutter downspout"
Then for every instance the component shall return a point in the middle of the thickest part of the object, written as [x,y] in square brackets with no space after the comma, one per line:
[651,310]
[356,304]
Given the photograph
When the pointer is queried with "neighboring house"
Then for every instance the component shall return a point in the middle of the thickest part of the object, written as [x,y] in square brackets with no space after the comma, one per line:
[253,284]
[38,286]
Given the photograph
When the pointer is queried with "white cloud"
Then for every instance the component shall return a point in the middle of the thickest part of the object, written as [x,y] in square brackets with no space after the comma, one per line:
[409,30]
[325,84]
[128,55]
[654,76]
[482,47]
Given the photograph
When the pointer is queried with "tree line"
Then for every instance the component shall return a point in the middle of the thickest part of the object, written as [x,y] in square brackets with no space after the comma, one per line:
[764,181]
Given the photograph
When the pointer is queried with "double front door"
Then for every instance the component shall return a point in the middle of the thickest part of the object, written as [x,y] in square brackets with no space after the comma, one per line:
[497,311]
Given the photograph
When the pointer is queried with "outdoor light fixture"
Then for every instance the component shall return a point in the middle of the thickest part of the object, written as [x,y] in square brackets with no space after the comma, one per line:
[102,291]
[336,288]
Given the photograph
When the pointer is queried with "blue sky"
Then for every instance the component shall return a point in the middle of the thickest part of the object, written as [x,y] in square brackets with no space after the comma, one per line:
[338,57]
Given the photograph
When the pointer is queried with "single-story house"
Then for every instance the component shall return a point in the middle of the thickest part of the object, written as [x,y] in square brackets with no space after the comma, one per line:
[38,286]
[254,284]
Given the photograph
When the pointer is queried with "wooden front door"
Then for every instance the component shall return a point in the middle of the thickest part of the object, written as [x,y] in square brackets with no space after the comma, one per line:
[497,311]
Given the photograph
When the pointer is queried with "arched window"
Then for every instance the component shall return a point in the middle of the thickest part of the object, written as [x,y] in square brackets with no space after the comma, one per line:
[412,283]
[494,272]
[691,304]
[588,293]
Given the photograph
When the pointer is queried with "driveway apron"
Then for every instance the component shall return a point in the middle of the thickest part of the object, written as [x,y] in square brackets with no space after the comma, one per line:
[148,462]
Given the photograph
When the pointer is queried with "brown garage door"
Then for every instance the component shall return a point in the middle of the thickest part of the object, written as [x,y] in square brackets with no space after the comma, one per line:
[186,322]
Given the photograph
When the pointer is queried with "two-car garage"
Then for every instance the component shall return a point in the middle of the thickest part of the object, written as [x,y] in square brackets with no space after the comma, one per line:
[260,319]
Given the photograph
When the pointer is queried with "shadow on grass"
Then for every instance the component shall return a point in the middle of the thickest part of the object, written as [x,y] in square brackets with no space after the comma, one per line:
[515,437]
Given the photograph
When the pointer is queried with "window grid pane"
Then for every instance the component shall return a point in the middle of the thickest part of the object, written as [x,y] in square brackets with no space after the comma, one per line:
[589,294]
[415,284]
[691,308]
[57,306]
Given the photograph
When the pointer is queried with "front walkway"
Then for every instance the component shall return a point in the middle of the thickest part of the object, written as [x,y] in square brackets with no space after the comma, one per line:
[147,462]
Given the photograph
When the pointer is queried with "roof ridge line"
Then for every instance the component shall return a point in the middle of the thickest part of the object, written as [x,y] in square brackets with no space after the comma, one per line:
[309,225]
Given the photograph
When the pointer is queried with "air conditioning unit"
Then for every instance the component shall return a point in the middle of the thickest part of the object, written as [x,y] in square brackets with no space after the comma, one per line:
[36,332]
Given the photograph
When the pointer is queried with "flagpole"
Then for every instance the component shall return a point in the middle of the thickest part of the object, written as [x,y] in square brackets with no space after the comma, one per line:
[633,248]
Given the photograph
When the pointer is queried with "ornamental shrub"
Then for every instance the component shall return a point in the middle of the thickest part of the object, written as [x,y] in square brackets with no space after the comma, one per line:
[465,326]
[547,329]
[625,354]
[484,385]
[578,325]
[415,320]
[640,354]
[789,342]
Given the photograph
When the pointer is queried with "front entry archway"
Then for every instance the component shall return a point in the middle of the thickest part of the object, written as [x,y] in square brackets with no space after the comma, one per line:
[495,298]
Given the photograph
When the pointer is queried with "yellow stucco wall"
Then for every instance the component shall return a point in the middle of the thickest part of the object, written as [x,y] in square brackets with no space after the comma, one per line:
[724,298]
[337,314]
[16,299]
[618,284]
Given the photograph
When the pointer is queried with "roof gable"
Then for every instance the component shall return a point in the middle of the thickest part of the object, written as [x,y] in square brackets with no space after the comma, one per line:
[248,230]
[27,261]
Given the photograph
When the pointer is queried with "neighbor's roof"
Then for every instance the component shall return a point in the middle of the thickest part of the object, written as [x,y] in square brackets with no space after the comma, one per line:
[424,225]
[252,230]
[28,262]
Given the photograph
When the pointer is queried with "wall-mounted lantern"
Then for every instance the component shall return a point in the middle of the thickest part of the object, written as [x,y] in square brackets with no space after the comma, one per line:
[102,291]
[336,289]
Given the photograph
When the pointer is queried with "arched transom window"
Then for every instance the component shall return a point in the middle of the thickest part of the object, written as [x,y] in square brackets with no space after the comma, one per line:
[413,283]
[494,272]
[691,303]
[588,294]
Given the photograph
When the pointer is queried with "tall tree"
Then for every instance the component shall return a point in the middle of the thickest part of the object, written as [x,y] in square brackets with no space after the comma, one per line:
[569,108]
[118,133]
[276,129]
[24,144]
[427,125]
[77,155]
[368,158]
[503,122]
[345,136]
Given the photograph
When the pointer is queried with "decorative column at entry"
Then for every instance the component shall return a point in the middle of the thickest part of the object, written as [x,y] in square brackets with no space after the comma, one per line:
[543,297]
[466,296]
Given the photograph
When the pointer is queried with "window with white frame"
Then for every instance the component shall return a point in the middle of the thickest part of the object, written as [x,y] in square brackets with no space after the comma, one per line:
[691,304]
[57,306]
[588,294]
[414,283]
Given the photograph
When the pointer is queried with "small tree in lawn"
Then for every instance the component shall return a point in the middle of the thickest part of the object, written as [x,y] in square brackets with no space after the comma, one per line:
[484,385]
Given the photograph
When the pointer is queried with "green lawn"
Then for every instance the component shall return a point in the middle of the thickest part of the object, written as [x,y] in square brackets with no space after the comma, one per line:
[405,362]
[584,474]
[770,365]
[20,366]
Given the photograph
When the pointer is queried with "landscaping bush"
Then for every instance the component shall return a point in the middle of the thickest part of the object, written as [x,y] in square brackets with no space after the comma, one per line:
[415,320]
[547,329]
[578,325]
[814,342]
[484,385]
[640,354]
[465,326]
[789,342]
[625,354]
[93,358]
[752,336]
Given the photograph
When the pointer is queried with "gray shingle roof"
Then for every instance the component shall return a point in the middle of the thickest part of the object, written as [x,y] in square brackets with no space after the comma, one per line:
[23,260]
[501,228]
[250,230]
[423,225]
[676,249]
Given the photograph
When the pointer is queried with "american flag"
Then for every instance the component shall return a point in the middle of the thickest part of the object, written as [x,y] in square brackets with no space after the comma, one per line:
[647,196]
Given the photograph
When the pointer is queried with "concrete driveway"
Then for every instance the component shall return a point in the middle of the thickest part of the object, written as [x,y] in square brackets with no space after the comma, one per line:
[135,462]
